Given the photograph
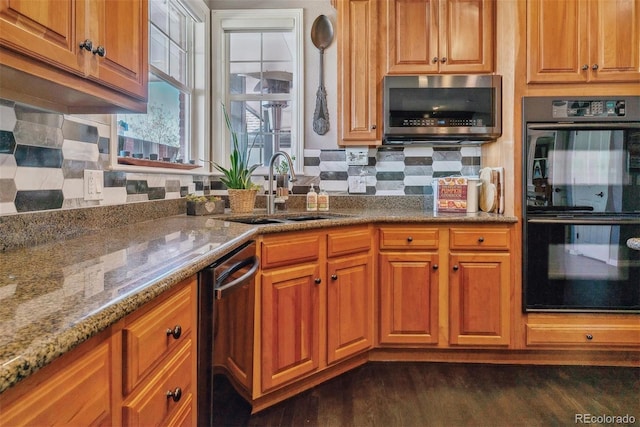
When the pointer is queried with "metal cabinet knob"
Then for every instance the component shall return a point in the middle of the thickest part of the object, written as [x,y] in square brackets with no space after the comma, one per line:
[456,267]
[594,67]
[409,239]
[444,59]
[100,51]
[175,332]
[589,337]
[86,45]
[585,67]
[334,277]
[435,266]
[480,239]
[374,127]
[435,59]
[318,280]
[175,394]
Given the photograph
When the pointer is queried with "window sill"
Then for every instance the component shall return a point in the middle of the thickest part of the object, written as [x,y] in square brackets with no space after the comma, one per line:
[155,163]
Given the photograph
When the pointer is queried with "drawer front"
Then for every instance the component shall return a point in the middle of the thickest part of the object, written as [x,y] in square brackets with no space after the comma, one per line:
[153,405]
[623,335]
[480,238]
[151,337]
[294,250]
[349,241]
[408,238]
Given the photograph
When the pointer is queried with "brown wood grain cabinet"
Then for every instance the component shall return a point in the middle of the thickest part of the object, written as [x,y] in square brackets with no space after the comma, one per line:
[408,282]
[122,376]
[578,41]
[358,79]
[75,56]
[440,36]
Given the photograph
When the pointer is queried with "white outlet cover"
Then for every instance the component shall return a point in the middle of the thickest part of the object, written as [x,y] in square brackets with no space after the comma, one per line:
[93,184]
[357,156]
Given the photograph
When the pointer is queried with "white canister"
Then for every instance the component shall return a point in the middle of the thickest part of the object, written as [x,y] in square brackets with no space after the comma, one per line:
[473,189]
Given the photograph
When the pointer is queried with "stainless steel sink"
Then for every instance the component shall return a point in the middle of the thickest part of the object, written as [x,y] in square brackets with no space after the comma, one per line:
[261,220]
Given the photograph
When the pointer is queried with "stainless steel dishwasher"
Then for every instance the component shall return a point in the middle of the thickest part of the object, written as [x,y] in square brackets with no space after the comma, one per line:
[228,274]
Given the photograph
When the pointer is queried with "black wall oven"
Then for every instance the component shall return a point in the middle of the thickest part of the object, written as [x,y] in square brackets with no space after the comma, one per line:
[581,198]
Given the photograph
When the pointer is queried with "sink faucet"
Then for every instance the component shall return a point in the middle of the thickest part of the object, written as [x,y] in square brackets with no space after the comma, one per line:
[271,201]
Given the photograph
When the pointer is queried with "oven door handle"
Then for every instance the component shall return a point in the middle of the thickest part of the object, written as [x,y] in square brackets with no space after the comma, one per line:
[583,221]
[578,125]
[220,289]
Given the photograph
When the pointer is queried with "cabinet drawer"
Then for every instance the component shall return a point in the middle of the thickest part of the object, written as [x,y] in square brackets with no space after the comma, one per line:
[151,337]
[349,241]
[621,335]
[292,250]
[480,238]
[408,238]
[152,405]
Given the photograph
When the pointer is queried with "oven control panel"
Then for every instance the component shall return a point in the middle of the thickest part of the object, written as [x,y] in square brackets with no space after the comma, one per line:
[595,108]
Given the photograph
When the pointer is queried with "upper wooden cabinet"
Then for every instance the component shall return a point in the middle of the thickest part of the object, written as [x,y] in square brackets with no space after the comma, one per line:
[358,79]
[577,41]
[75,55]
[440,36]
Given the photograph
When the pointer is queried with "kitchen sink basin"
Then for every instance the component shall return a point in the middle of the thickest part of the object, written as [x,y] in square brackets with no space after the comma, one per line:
[281,220]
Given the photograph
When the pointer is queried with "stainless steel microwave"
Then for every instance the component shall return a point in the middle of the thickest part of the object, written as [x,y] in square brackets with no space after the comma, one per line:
[442,109]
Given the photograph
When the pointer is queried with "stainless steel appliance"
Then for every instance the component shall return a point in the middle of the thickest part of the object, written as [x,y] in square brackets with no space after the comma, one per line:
[442,109]
[581,198]
[231,273]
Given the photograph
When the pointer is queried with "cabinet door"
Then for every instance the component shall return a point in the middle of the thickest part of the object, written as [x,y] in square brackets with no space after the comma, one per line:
[45,30]
[349,306]
[412,36]
[358,72]
[557,46]
[614,33]
[290,323]
[479,286]
[408,298]
[466,42]
[120,27]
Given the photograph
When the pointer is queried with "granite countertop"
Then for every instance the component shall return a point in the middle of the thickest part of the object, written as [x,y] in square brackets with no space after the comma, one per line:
[55,296]
[634,243]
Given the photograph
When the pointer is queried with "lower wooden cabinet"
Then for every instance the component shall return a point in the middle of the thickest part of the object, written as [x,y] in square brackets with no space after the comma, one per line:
[317,309]
[140,371]
[76,389]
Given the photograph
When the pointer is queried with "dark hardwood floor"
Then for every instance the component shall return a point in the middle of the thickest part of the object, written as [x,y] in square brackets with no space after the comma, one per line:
[442,394]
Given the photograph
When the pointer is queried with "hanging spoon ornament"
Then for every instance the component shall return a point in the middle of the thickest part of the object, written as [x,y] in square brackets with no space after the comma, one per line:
[321,36]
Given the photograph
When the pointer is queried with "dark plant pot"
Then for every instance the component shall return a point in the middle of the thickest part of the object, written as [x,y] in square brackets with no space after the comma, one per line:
[205,208]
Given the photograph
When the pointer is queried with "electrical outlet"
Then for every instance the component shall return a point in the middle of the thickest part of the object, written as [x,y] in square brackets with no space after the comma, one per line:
[93,184]
[357,156]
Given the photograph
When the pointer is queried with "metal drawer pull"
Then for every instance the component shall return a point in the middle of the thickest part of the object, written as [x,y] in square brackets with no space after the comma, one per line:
[100,51]
[175,332]
[334,277]
[318,280]
[409,239]
[595,67]
[455,267]
[444,59]
[175,395]
[435,266]
[589,337]
[585,67]
[435,59]
[480,239]
[86,45]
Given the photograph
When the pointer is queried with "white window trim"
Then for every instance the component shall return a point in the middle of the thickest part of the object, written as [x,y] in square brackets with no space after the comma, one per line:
[200,106]
[254,18]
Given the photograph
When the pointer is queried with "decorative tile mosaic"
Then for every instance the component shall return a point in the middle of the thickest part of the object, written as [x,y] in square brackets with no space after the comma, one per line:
[43,156]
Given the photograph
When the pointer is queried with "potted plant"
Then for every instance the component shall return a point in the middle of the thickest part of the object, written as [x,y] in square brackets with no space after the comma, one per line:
[204,205]
[237,177]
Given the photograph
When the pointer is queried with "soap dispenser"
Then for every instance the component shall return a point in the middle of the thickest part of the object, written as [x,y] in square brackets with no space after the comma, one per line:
[312,199]
[323,200]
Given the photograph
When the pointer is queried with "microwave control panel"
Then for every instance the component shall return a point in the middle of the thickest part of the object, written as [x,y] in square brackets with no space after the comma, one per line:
[596,108]
[440,122]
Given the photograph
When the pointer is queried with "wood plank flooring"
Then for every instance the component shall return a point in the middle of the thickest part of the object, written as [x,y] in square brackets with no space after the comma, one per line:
[442,394]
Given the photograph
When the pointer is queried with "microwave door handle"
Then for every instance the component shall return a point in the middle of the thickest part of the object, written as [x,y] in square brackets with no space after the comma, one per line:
[220,290]
[600,125]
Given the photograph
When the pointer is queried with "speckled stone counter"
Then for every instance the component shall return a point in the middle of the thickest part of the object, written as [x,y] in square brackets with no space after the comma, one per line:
[56,295]
[634,243]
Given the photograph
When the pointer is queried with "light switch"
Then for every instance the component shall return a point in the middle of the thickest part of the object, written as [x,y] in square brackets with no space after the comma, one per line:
[93,184]
[357,156]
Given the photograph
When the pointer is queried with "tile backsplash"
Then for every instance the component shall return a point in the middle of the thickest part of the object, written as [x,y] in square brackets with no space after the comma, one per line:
[43,156]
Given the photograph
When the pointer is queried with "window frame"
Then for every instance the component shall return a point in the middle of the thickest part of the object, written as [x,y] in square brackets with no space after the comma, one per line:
[200,99]
[257,19]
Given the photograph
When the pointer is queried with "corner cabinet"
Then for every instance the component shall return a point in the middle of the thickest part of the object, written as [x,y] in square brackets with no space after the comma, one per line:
[599,43]
[75,56]
[358,82]
[440,36]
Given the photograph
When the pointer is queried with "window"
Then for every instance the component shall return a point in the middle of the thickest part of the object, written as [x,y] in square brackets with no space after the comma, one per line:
[174,123]
[258,77]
